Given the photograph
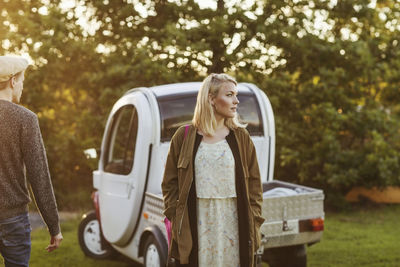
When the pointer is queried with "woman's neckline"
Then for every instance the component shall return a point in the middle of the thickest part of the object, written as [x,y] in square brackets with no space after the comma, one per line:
[213,143]
[202,138]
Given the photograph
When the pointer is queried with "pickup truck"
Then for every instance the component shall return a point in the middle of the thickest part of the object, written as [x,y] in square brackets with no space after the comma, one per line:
[127,216]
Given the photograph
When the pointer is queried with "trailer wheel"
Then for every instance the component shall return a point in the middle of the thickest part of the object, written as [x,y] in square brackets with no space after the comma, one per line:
[89,237]
[152,253]
[291,256]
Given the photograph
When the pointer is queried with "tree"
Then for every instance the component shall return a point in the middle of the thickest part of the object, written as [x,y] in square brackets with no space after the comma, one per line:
[340,129]
[331,70]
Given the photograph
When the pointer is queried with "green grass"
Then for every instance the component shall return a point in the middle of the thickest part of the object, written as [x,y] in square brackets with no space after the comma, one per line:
[69,253]
[358,237]
[361,237]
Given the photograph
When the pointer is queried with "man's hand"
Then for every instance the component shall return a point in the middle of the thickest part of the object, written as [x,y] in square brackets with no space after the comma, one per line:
[54,242]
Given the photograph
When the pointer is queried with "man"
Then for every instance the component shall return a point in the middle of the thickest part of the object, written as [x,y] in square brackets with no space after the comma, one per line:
[22,159]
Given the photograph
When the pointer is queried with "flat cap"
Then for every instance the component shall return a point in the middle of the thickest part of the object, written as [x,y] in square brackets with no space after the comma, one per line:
[9,66]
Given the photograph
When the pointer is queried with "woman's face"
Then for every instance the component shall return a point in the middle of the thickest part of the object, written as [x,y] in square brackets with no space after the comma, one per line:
[226,101]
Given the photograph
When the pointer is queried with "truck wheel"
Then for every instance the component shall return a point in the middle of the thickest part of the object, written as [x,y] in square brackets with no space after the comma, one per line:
[89,237]
[291,256]
[152,253]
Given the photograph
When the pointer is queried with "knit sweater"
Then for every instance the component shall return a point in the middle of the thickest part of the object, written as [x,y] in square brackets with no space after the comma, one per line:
[22,160]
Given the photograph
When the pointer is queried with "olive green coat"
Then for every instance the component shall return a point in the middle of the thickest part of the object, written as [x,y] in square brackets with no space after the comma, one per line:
[178,177]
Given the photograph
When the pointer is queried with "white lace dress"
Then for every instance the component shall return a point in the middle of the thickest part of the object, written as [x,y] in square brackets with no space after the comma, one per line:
[217,218]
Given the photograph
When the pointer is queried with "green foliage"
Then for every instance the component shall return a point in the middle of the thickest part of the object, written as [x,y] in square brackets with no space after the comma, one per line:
[332,72]
[335,125]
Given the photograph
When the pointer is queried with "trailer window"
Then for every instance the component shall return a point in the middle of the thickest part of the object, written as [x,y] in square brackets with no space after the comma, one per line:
[175,111]
[178,110]
[249,112]
[121,141]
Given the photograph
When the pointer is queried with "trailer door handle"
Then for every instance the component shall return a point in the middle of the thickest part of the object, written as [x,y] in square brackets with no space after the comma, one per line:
[130,187]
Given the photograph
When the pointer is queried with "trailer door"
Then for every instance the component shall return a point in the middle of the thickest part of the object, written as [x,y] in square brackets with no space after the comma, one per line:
[123,167]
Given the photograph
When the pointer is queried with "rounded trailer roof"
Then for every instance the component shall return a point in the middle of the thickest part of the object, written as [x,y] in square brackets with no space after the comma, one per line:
[190,87]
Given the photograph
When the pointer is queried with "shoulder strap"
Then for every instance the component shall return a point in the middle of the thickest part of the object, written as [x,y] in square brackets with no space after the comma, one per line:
[186,131]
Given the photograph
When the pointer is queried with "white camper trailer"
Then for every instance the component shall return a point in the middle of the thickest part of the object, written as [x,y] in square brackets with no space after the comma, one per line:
[128,202]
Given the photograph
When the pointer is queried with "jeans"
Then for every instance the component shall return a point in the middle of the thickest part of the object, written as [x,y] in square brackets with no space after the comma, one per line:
[15,240]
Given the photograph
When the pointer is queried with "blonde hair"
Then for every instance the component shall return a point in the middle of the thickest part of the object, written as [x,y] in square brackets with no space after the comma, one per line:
[204,118]
[5,84]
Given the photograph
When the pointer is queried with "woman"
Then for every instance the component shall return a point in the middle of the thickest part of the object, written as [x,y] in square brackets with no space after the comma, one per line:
[211,187]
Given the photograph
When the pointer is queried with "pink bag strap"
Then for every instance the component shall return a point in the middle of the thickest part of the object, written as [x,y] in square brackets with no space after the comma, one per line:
[186,131]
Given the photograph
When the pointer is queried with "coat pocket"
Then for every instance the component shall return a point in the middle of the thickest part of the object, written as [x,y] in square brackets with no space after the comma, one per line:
[182,166]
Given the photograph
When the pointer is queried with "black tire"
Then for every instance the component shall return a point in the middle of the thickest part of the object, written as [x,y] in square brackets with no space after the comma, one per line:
[89,237]
[152,250]
[292,256]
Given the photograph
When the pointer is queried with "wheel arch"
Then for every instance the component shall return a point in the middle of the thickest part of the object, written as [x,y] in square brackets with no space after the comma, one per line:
[87,218]
[159,237]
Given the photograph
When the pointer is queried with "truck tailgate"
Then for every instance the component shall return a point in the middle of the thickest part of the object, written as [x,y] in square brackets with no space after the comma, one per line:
[288,210]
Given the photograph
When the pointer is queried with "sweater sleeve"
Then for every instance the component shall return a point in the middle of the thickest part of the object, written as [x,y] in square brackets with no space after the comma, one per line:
[37,173]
